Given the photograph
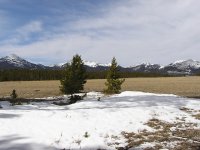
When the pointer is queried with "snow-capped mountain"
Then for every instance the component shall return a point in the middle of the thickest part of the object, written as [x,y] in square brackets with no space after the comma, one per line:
[179,67]
[95,64]
[13,62]
[60,65]
[91,64]
[146,67]
[184,67]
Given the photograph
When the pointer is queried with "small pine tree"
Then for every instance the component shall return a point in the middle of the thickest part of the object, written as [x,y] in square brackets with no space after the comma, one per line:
[86,135]
[113,82]
[13,94]
[75,77]
[14,100]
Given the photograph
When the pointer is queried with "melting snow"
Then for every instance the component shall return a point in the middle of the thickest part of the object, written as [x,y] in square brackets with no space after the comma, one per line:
[88,124]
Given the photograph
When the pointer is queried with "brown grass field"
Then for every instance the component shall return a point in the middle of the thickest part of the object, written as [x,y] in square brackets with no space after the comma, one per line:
[182,86]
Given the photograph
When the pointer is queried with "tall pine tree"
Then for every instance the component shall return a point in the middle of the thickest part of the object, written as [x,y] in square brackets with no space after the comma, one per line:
[113,82]
[75,77]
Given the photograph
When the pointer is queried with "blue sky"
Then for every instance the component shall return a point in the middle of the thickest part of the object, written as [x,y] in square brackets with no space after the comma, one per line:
[134,31]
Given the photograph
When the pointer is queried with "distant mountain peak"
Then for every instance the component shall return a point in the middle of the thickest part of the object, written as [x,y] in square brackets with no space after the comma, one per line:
[188,62]
[14,61]
[57,65]
[95,64]
[90,63]
[184,61]
[13,57]
[178,61]
[188,66]
[146,64]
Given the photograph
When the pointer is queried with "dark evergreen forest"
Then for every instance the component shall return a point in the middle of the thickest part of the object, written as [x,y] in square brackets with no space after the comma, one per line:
[36,75]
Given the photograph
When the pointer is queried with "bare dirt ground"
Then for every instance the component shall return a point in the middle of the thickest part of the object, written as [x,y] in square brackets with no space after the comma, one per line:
[182,86]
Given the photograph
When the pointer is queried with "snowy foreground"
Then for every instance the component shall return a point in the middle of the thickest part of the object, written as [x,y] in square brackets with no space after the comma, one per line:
[91,124]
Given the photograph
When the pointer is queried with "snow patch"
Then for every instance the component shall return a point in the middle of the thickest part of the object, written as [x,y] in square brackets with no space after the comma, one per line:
[95,94]
[137,93]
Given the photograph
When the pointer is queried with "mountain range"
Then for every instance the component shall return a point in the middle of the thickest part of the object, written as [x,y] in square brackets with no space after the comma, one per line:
[183,67]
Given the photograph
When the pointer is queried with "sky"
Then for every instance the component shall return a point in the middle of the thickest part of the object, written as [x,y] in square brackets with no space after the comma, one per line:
[133,31]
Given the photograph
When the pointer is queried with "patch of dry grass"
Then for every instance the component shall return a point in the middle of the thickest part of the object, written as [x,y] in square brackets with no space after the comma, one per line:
[197,116]
[193,113]
[30,89]
[183,86]
[184,136]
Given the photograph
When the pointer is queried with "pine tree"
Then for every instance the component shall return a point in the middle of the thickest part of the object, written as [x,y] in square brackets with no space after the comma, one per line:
[113,82]
[75,77]
[13,94]
[14,100]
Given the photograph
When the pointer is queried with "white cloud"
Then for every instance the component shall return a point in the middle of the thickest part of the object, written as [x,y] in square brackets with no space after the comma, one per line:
[23,33]
[31,27]
[3,22]
[134,31]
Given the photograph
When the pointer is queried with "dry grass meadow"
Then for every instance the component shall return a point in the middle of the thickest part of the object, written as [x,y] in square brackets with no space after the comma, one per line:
[183,86]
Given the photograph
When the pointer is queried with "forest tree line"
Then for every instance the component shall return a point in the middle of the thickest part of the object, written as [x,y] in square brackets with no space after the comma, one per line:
[36,75]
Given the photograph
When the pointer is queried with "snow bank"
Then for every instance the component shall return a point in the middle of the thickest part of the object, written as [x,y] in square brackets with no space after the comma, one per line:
[46,126]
